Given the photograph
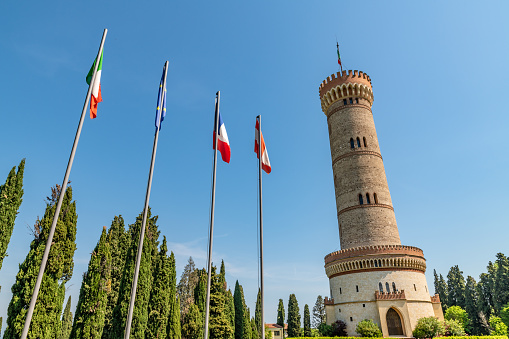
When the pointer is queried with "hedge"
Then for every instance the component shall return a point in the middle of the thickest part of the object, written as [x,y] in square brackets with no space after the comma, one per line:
[452,337]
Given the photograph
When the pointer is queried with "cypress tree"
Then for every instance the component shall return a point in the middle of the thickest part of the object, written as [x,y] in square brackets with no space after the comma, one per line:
[485,287]
[200,291]
[456,287]
[239,304]
[192,327]
[293,317]
[258,315]
[501,283]
[91,309]
[230,310]
[471,306]
[160,295]
[65,332]
[173,328]
[247,322]
[11,194]
[219,321]
[281,313]
[441,289]
[255,332]
[119,241]
[319,316]
[59,269]
[307,321]
[140,312]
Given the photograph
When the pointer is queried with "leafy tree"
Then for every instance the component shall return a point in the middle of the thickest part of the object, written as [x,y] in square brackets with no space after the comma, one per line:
[338,328]
[471,306]
[230,309]
[65,331]
[160,296]
[173,328]
[219,321]
[255,332]
[192,327]
[258,314]
[453,327]
[441,289]
[200,291]
[293,317]
[367,328]
[140,312]
[119,241]
[91,309]
[268,333]
[501,283]
[457,313]
[11,194]
[497,326]
[485,287]
[186,286]
[319,312]
[428,327]
[307,321]
[504,314]
[59,269]
[240,311]
[247,324]
[325,330]
[281,315]
[456,287]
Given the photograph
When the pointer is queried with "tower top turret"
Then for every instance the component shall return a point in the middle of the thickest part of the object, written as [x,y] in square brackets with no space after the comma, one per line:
[345,85]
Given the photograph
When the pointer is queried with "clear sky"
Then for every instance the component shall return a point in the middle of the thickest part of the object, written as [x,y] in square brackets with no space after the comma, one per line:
[439,72]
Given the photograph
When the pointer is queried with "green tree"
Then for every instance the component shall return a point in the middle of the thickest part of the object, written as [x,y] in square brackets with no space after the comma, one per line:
[307,321]
[457,313]
[255,332]
[293,317]
[367,328]
[485,287]
[441,289]
[119,241]
[186,286]
[456,287]
[318,312]
[173,328]
[497,326]
[281,315]
[140,312]
[160,296]
[471,306]
[325,330]
[501,283]
[247,323]
[200,291]
[453,327]
[428,327]
[192,327]
[65,331]
[59,269]
[91,309]
[219,321]
[504,314]
[240,311]
[230,309]
[258,314]
[11,194]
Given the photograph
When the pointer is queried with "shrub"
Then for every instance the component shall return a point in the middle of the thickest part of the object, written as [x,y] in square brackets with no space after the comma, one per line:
[367,328]
[428,327]
[497,327]
[325,330]
[457,313]
[338,329]
[453,328]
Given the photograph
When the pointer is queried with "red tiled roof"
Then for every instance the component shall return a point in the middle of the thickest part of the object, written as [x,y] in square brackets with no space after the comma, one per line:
[273,326]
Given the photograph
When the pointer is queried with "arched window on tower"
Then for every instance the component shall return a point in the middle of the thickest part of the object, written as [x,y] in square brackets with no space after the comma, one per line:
[375,197]
[365,143]
[367,199]
[387,287]
[361,201]
[358,142]
[352,145]
[380,287]
[351,101]
[394,287]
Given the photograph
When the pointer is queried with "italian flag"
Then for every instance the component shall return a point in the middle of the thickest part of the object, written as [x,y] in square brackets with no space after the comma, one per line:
[96,87]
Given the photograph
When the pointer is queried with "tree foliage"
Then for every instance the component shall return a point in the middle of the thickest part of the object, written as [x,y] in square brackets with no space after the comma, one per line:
[240,311]
[66,328]
[367,328]
[186,286]
[293,317]
[497,326]
[441,289]
[455,287]
[428,327]
[307,321]
[457,313]
[338,328]
[319,316]
[192,326]
[453,327]
[258,314]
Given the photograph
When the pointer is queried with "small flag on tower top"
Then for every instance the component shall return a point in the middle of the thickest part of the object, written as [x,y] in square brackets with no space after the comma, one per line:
[223,145]
[96,87]
[161,101]
[339,57]
[265,156]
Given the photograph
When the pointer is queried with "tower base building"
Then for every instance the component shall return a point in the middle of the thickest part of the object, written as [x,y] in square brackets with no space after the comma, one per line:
[373,276]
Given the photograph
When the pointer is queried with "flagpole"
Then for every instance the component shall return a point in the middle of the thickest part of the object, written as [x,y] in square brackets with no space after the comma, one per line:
[261,220]
[127,331]
[209,259]
[31,307]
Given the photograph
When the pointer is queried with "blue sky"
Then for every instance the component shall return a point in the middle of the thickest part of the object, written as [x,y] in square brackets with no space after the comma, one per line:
[439,73]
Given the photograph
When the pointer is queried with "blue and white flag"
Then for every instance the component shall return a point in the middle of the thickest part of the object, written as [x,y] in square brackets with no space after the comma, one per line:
[161,101]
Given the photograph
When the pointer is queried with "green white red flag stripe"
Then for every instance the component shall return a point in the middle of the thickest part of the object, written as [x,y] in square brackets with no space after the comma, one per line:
[96,87]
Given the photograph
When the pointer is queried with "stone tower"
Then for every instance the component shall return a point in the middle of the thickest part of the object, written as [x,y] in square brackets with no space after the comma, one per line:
[373,276]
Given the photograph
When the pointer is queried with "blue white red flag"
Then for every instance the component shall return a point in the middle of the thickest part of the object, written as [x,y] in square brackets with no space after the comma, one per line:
[161,102]
[223,145]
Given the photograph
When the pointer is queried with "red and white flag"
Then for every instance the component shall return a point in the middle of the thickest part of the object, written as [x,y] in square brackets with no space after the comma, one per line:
[265,155]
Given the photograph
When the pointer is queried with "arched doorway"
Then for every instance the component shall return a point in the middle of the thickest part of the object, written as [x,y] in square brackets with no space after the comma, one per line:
[394,324]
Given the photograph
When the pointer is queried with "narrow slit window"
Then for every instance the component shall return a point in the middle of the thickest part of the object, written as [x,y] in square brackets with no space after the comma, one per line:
[352,145]
[356,100]
[363,305]
[394,287]
[351,319]
[415,288]
[388,288]
[368,201]
[365,143]
[380,287]
[351,101]
[344,101]
[340,291]
[375,197]
[361,202]
[357,288]
[358,142]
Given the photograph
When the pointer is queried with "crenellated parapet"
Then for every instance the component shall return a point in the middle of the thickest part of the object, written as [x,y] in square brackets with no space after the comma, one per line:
[328,301]
[390,296]
[375,258]
[435,299]
[345,85]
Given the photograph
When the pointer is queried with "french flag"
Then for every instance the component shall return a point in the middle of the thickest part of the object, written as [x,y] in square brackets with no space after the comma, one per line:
[223,145]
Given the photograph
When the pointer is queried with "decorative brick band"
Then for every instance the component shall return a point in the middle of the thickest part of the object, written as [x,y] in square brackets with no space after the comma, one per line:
[355,152]
[377,250]
[337,109]
[364,206]
[391,269]
[390,296]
